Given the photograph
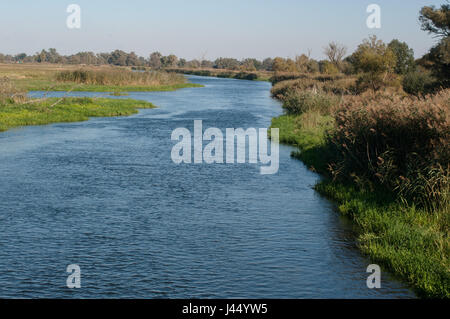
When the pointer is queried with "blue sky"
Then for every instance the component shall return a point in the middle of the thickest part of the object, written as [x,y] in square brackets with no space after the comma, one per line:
[207,28]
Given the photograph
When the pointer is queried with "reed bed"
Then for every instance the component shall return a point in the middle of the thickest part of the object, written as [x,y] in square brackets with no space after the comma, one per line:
[402,144]
[120,77]
[385,159]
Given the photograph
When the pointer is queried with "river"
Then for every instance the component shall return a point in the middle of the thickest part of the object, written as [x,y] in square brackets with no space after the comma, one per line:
[104,194]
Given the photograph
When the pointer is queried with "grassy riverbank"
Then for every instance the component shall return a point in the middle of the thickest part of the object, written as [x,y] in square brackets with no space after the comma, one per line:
[410,242]
[43,77]
[16,109]
[55,110]
[43,85]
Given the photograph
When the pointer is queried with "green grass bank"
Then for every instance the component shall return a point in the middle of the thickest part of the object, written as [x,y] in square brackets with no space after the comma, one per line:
[410,242]
[56,110]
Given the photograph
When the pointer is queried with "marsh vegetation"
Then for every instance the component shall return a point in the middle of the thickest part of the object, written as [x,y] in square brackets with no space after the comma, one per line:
[16,109]
[49,77]
[380,137]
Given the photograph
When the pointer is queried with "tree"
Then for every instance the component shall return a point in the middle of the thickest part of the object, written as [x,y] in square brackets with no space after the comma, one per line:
[118,57]
[193,64]
[439,57]
[436,21]
[226,63]
[103,58]
[155,60]
[41,57]
[313,66]
[250,64]
[284,65]
[335,53]
[267,64]
[132,59]
[376,61]
[207,64]
[404,57]
[172,60]
[169,61]
[83,58]
[53,56]
[301,63]
[20,57]
[279,64]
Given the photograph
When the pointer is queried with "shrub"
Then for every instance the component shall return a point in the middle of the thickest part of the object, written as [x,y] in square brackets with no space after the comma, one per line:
[299,102]
[285,76]
[281,89]
[9,93]
[329,68]
[226,75]
[418,83]
[247,76]
[401,144]
[328,84]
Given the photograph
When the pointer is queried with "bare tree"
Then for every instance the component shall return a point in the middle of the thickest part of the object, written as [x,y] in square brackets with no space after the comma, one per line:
[335,53]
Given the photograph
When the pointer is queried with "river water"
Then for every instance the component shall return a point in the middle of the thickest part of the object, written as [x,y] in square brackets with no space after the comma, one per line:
[105,195]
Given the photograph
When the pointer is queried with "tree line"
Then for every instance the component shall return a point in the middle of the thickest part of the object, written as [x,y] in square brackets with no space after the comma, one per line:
[121,58]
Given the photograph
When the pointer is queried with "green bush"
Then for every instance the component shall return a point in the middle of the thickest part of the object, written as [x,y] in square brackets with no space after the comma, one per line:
[418,83]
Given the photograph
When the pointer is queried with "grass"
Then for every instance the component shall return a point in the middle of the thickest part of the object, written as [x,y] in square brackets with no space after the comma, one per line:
[43,77]
[67,110]
[44,85]
[412,243]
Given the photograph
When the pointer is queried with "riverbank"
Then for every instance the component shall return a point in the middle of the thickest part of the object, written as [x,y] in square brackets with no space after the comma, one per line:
[16,109]
[226,74]
[43,77]
[411,242]
[59,110]
[42,85]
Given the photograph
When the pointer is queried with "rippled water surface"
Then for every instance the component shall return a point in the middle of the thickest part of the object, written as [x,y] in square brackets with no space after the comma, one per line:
[105,194]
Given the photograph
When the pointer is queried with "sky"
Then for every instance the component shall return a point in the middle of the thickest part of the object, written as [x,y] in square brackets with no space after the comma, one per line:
[197,29]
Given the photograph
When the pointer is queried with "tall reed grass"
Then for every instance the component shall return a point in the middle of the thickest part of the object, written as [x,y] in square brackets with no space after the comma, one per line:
[402,144]
[120,77]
